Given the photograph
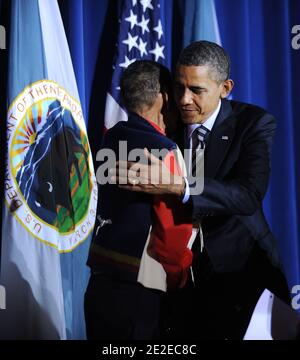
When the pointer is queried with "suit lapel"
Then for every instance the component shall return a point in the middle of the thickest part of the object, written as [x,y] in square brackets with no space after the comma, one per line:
[219,140]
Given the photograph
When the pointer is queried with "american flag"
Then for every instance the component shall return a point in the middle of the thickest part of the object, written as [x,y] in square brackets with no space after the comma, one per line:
[140,37]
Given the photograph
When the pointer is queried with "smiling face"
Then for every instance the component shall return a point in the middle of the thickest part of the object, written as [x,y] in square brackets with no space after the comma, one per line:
[197,94]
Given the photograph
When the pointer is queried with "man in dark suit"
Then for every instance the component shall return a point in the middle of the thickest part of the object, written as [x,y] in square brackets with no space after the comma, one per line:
[237,257]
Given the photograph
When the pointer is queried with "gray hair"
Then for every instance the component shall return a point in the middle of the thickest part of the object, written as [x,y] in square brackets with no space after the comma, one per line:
[200,53]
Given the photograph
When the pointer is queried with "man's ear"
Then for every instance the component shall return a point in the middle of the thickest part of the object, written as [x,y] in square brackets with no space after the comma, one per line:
[165,98]
[227,86]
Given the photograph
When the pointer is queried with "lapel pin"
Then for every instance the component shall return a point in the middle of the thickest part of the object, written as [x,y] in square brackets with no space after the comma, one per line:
[225,137]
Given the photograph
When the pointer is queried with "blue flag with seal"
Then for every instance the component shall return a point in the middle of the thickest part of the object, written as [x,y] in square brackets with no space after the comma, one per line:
[141,37]
[50,186]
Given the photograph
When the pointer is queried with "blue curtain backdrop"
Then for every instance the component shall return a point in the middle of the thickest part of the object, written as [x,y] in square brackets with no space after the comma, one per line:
[265,68]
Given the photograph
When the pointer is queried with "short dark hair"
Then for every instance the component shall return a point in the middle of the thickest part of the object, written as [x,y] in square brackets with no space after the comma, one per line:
[141,82]
[200,53]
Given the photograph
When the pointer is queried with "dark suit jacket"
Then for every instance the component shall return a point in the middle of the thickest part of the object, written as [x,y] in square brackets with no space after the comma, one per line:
[236,178]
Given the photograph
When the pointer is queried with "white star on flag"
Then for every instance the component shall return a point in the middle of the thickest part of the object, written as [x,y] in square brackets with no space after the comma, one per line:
[132,19]
[146,5]
[131,41]
[158,51]
[142,47]
[127,62]
[144,24]
[159,29]
[134,2]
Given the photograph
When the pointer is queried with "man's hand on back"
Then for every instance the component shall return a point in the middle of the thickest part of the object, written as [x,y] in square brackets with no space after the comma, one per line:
[154,178]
